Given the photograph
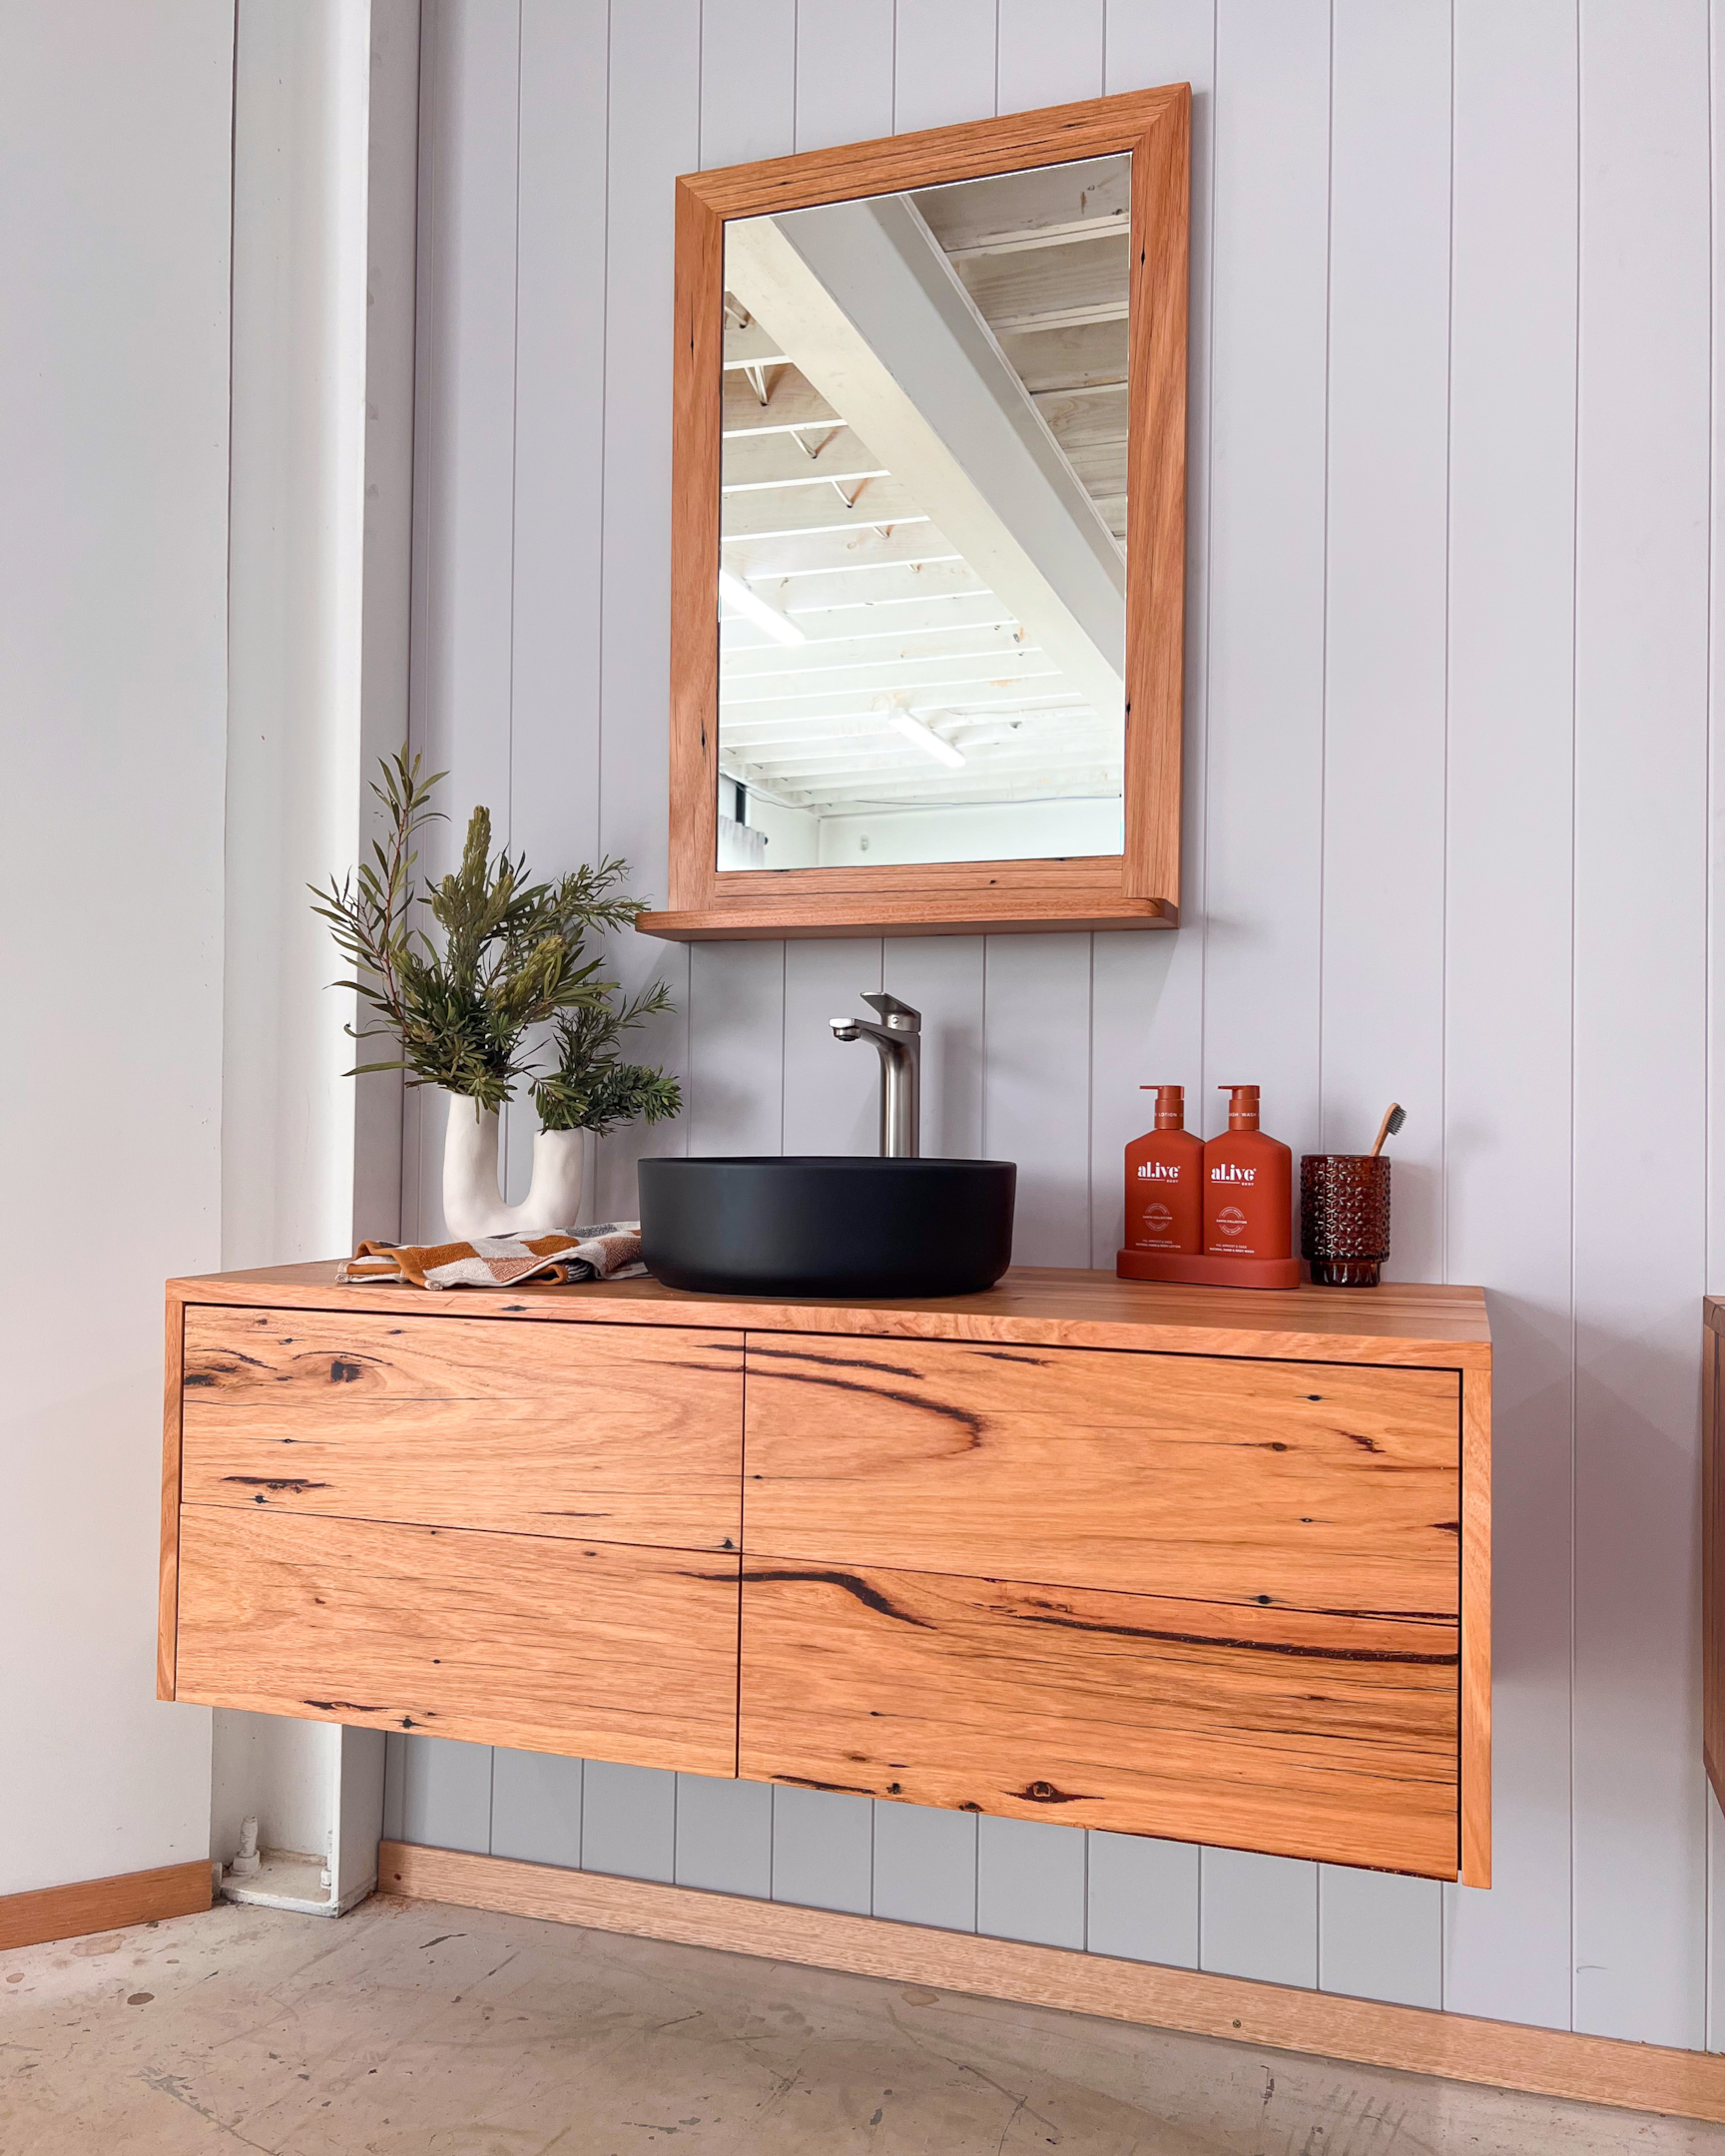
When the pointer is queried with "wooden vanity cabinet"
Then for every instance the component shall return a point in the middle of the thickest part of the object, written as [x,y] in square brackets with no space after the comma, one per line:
[1202,1564]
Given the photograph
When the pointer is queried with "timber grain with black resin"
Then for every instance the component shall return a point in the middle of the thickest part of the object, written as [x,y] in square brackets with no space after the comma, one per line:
[1187,1562]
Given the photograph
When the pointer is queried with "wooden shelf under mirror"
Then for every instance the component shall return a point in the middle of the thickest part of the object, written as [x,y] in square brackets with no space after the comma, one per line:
[962,636]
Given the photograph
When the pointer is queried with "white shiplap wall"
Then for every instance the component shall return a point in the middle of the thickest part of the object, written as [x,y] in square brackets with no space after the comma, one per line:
[1449,666]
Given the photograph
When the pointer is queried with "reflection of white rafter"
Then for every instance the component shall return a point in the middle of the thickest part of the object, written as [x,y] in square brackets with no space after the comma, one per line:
[849,285]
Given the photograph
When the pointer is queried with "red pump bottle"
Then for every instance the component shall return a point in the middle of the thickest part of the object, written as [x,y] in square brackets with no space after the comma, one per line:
[1165,1181]
[1248,1186]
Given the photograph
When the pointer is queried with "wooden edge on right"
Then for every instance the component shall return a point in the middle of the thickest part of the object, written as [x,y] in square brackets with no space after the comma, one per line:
[168,1575]
[1476,1792]
[1407,2039]
[1712,1550]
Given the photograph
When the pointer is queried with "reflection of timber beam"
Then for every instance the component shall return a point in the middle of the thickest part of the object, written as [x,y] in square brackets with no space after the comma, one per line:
[867,308]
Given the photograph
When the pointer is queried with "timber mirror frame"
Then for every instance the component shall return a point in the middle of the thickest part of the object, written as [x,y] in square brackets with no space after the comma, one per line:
[1136,888]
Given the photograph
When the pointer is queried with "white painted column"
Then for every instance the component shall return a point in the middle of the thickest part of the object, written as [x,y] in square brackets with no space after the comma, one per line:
[324,187]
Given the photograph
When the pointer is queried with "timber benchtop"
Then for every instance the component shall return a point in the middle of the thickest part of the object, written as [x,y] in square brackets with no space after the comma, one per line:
[1033,1305]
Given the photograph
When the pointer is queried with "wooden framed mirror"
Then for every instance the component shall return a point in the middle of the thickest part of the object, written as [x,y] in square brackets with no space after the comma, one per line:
[929,531]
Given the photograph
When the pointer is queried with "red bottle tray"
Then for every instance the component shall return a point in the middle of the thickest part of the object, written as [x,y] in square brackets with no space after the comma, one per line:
[1208,1272]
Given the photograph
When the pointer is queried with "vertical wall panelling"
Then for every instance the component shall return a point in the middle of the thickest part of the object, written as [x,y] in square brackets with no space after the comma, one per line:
[1268,399]
[1147,1001]
[1143,1899]
[844,71]
[1270,272]
[559,438]
[943,64]
[1716,942]
[446,1794]
[1716,708]
[831,1088]
[725,1835]
[1258,1916]
[941,976]
[747,79]
[1036,1089]
[1507,996]
[1047,56]
[736,1048]
[394,1785]
[822,1849]
[1640,852]
[1380,1937]
[628,1821]
[1383,954]
[1381,1008]
[1715,1930]
[1030,1881]
[926,1866]
[654,114]
[464,494]
[536,1807]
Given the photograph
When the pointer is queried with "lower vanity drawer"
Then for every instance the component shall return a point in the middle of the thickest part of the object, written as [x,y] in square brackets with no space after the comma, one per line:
[1294,1732]
[542,1643]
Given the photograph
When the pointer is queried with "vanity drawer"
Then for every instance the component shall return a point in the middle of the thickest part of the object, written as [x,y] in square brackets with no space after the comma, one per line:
[616,1433]
[1316,1485]
[524,1640]
[1294,1732]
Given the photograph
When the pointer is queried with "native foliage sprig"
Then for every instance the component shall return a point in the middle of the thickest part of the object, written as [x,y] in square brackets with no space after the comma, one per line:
[591,1089]
[512,951]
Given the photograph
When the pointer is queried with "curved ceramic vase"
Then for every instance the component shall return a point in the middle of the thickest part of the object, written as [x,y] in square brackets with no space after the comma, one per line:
[473,1203]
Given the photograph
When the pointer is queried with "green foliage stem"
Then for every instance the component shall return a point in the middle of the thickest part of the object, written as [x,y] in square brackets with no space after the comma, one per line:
[591,1089]
[512,955]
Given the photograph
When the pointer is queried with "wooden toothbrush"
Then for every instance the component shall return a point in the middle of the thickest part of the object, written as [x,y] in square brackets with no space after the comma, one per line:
[1394,1118]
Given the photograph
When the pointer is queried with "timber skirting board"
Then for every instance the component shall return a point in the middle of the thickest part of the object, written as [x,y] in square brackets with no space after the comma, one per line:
[103,1905]
[1414,2039]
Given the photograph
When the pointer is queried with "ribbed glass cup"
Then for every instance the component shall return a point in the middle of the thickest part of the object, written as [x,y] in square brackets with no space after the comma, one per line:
[1345,1218]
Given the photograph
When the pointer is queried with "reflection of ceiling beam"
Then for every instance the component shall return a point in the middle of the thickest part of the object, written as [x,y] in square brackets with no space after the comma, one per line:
[799,554]
[1048,202]
[791,402]
[867,309]
[861,505]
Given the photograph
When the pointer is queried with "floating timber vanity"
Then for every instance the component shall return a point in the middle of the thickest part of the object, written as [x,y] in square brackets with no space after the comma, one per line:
[1193,1562]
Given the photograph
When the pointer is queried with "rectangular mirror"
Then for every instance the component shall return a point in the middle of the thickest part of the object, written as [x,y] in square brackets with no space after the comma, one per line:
[929,531]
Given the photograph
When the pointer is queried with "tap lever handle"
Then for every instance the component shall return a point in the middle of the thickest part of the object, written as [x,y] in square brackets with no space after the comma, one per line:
[902,1018]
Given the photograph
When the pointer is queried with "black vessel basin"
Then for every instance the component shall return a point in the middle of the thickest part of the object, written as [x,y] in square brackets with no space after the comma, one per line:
[828,1226]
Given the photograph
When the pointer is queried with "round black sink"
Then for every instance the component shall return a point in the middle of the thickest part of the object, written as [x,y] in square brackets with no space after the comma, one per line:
[828,1226]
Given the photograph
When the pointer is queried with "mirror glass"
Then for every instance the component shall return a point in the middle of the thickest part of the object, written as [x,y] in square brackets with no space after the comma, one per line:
[922,572]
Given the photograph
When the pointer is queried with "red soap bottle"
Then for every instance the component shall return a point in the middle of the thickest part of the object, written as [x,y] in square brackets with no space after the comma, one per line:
[1165,1181]
[1248,1186]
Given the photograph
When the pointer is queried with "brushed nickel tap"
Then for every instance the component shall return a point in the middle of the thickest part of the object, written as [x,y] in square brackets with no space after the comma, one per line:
[898,1038]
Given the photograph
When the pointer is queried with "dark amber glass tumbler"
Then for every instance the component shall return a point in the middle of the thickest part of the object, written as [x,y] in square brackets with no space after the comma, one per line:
[1345,1216]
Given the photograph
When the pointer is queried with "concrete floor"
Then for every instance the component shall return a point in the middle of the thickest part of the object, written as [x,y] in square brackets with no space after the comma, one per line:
[408,2028]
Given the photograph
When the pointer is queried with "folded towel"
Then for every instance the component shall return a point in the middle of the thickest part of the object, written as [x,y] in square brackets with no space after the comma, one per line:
[611,1251]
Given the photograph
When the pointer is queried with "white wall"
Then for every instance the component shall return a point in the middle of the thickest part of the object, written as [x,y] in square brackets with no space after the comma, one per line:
[114,235]
[1447,839]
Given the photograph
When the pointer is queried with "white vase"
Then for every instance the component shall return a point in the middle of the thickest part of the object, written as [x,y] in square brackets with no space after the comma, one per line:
[473,1202]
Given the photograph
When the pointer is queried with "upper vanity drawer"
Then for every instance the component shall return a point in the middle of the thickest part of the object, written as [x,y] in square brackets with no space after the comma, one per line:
[609,1433]
[1313,1485]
